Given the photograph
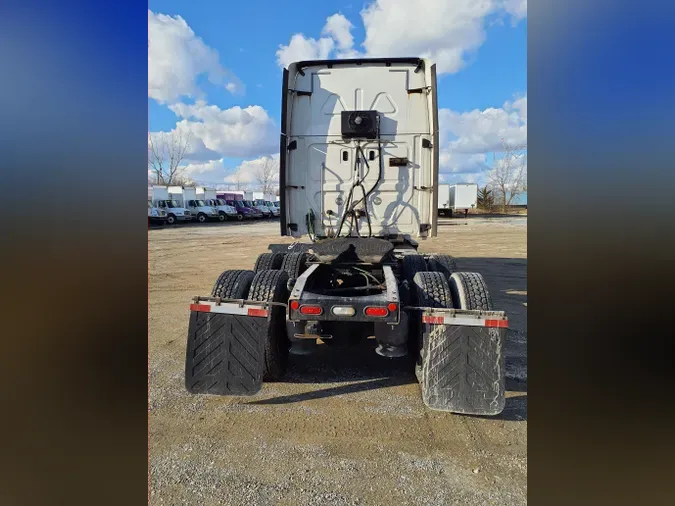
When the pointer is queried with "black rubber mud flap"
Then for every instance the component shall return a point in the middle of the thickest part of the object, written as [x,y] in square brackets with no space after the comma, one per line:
[463,369]
[225,354]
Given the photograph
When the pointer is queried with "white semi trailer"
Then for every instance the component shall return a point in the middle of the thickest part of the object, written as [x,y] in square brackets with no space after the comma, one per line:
[463,197]
[358,177]
[460,197]
[444,200]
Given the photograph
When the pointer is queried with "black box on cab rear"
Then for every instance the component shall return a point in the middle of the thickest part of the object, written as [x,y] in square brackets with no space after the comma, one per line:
[361,124]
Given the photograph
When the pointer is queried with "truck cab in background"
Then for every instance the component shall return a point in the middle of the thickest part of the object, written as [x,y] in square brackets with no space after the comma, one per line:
[210,198]
[242,211]
[175,212]
[275,210]
[256,199]
[264,209]
[187,195]
[235,199]
[156,216]
[225,211]
[256,212]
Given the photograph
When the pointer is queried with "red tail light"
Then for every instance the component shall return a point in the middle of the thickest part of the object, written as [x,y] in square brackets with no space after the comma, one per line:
[392,306]
[295,304]
[376,311]
[311,310]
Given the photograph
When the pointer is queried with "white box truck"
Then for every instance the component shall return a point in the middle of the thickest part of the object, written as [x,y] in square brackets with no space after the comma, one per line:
[463,197]
[358,176]
[187,195]
[210,198]
[259,203]
[265,199]
[175,212]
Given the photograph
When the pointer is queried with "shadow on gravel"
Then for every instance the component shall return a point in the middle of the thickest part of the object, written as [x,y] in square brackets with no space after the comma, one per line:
[358,362]
[341,390]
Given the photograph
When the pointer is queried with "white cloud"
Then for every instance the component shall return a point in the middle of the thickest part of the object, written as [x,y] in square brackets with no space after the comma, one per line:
[516,8]
[211,170]
[245,173]
[301,48]
[481,131]
[215,171]
[443,31]
[337,41]
[176,57]
[467,138]
[448,32]
[339,28]
[235,132]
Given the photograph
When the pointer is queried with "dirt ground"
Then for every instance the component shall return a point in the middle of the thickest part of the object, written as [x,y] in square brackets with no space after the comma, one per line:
[346,426]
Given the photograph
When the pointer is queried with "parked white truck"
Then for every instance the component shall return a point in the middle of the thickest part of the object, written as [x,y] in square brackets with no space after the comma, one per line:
[156,216]
[187,195]
[208,195]
[175,212]
[258,203]
[265,199]
[358,176]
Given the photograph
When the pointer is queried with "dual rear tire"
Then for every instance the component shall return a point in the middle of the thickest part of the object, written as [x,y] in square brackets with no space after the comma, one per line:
[262,286]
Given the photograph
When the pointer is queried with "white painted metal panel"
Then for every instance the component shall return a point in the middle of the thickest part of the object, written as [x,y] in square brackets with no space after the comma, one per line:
[320,171]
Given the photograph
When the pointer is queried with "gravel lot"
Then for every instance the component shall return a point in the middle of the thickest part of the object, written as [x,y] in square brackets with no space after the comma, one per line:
[346,426]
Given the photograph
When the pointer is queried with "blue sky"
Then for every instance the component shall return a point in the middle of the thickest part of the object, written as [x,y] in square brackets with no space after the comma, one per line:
[215,69]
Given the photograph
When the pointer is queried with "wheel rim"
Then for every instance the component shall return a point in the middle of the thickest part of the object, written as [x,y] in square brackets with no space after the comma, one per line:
[221,217]
[171,220]
[240,217]
[202,219]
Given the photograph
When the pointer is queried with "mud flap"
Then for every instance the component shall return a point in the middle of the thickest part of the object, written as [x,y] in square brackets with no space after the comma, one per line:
[462,365]
[224,353]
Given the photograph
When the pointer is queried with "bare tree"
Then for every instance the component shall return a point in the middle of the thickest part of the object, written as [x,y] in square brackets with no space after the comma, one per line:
[508,176]
[166,152]
[237,180]
[267,175]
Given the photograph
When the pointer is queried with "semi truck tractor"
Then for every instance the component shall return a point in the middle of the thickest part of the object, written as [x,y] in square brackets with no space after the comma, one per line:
[175,212]
[359,154]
